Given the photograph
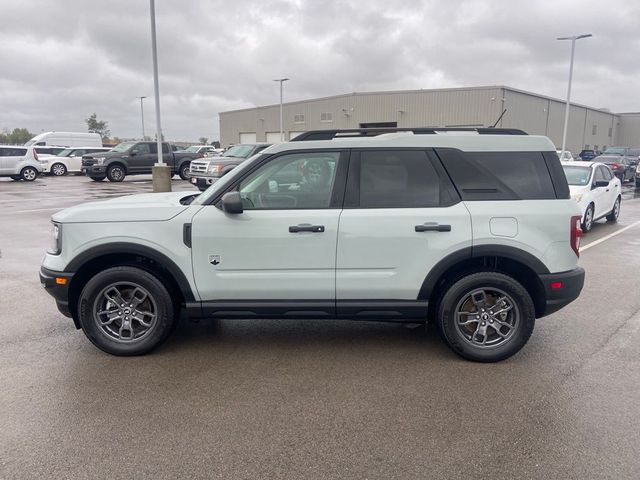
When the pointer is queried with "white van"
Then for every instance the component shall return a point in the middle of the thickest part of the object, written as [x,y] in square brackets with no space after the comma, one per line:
[67,139]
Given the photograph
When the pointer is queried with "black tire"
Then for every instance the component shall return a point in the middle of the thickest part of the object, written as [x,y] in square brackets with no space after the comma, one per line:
[615,211]
[637,182]
[184,171]
[97,179]
[522,314]
[58,169]
[92,299]
[116,173]
[28,174]
[587,220]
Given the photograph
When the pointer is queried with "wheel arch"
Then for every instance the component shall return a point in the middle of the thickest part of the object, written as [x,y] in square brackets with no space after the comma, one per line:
[117,161]
[96,259]
[516,263]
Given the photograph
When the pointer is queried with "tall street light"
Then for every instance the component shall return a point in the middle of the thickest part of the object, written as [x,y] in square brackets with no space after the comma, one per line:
[160,172]
[281,80]
[566,110]
[142,114]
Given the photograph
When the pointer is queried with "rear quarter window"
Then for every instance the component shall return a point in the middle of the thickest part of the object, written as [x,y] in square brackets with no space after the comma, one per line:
[13,152]
[500,175]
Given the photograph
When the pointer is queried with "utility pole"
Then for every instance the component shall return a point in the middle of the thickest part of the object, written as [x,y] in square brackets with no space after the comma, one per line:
[566,110]
[142,114]
[161,172]
[281,80]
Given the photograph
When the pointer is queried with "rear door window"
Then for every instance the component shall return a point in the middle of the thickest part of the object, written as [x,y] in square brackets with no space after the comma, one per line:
[398,179]
[499,175]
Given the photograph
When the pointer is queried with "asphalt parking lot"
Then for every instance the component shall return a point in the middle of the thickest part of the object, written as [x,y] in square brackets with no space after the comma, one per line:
[312,399]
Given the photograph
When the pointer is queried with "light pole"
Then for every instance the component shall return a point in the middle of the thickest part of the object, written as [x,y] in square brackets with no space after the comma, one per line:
[566,110]
[281,80]
[161,173]
[142,114]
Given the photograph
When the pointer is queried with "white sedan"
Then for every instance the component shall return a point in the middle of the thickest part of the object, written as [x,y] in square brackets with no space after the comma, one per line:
[68,160]
[596,190]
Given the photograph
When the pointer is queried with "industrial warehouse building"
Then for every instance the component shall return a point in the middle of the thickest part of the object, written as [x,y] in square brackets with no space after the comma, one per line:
[504,107]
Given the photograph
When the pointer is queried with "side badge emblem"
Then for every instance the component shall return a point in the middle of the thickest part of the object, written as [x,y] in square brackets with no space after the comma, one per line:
[214,259]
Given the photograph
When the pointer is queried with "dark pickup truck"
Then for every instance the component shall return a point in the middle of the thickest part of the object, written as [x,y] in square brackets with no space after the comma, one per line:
[134,158]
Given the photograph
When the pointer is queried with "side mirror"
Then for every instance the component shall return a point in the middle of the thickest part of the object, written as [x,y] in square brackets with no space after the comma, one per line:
[232,203]
[134,152]
[601,183]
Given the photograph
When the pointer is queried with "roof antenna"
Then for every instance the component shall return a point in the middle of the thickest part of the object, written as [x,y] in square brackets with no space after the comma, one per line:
[499,118]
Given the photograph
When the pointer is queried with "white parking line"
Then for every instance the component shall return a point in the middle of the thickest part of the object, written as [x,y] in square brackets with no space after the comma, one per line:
[607,237]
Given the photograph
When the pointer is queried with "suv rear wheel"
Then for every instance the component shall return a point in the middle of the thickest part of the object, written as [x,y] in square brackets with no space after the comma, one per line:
[486,317]
[116,173]
[28,174]
[126,311]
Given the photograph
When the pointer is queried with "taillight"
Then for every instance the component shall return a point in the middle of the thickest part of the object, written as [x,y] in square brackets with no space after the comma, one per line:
[615,166]
[35,154]
[575,234]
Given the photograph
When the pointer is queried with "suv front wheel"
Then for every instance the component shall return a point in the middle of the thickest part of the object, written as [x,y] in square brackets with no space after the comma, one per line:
[486,317]
[126,311]
[116,173]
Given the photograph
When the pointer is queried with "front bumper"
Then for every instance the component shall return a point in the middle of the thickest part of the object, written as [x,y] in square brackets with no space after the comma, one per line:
[561,289]
[94,170]
[56,284]
[203,182]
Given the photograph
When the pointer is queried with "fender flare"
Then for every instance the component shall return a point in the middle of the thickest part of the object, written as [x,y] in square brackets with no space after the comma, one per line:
[134,249]
[468,253]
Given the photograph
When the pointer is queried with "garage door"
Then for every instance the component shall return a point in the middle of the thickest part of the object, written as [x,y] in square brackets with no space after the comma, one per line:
[273,137]
[293,135]
[248,137]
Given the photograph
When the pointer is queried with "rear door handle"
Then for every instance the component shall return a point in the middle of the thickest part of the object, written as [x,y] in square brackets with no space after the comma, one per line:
[306,227]
[433,227]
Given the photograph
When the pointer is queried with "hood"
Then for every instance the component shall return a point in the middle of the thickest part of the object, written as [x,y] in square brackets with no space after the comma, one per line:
[146,207]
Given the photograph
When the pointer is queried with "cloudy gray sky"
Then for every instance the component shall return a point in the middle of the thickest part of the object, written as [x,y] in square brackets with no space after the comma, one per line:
[63,60]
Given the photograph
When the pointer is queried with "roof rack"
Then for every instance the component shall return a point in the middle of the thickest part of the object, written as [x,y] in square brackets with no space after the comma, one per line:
[372,132]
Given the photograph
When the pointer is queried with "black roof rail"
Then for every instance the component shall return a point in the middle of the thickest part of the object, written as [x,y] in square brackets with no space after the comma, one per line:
[372,132]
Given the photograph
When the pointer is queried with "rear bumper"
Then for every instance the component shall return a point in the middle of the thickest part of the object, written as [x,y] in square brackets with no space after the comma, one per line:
[52,284]
[561,289]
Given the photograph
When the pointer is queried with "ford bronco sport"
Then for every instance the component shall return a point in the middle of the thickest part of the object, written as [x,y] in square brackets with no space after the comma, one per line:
[473,230]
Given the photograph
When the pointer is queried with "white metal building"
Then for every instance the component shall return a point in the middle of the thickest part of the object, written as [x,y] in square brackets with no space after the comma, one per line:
[449,107]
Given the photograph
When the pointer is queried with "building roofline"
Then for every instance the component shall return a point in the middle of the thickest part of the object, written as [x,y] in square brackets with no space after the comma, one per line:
[421,90]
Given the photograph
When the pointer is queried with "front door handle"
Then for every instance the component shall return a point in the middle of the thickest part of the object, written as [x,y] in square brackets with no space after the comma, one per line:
[433,227]
[306,227]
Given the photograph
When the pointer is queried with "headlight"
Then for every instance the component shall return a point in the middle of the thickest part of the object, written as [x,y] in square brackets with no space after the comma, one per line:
[99,160]
[214,168]
[577,197]
[56,239]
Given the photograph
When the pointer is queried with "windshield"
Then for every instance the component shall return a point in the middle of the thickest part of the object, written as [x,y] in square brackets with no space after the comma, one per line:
[66,152]
[123,147]
[224,181]
[577,175]
[240,151]
[614,151]
[192,149]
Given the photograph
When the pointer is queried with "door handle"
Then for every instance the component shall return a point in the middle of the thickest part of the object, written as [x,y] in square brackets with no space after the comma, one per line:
[306,227]
[433,227]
